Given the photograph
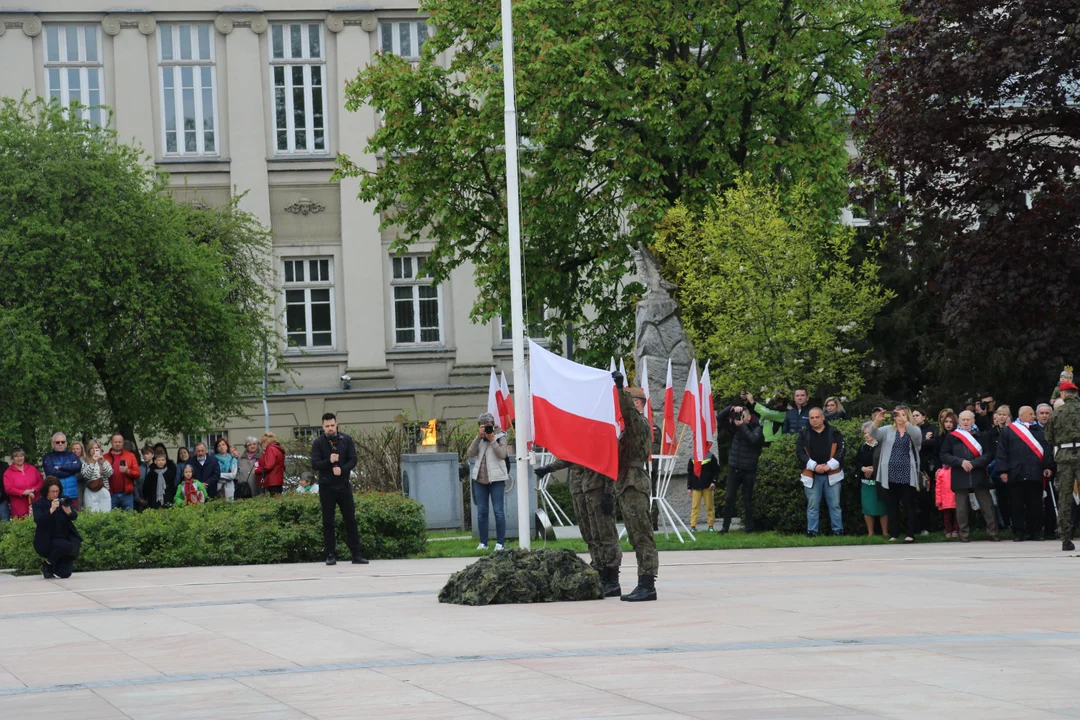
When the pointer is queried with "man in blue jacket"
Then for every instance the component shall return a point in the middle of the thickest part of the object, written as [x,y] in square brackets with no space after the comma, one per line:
[64,465]
[206,469]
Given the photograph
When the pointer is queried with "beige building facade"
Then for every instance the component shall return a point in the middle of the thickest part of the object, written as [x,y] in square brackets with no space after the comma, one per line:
[251,101]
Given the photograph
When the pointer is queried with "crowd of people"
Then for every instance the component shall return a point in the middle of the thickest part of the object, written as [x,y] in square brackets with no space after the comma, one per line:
[86,477]
[1018,473]
[95,479]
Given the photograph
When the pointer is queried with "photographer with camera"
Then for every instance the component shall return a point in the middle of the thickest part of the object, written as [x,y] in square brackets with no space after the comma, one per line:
[747,442]
[333,454]
[489,475]
[56,538]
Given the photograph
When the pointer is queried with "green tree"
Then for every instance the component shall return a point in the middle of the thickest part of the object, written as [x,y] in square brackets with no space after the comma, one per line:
[624,109]
[768,290]
[120,309]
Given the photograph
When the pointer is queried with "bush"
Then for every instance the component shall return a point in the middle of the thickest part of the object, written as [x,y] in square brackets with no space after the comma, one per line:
[779,501]
[261,530]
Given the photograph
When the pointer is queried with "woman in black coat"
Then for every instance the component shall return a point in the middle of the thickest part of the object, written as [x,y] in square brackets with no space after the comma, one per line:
[969,474]
[56,538]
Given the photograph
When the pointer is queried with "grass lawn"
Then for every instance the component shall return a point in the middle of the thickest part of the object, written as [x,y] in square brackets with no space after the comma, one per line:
[705,541]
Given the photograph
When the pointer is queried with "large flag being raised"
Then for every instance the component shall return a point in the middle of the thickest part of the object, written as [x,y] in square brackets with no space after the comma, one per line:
[575,413]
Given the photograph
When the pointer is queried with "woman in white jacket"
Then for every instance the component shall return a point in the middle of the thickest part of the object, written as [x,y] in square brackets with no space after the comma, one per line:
[489,476]
[96,472]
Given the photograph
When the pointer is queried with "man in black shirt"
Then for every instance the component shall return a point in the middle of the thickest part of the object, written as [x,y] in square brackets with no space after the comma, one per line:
[820,449]
[333,454]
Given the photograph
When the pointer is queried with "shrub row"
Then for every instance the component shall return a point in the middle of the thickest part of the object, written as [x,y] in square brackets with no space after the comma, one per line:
[261,530]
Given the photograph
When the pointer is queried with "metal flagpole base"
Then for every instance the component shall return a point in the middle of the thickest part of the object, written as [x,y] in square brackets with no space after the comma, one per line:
[665,467]
[553,508]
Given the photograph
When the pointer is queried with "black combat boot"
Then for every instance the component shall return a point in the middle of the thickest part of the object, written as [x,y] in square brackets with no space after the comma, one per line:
[645,590]
[610,580]
[1067,545]
[331,560]
[47,571]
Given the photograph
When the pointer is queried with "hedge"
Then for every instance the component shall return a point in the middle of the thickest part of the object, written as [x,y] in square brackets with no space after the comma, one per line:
[262,530]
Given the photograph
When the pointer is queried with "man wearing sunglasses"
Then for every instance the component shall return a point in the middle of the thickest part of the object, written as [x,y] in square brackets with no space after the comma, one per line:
[64,465]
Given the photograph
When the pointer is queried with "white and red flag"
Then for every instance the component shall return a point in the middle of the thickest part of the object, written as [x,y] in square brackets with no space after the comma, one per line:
[496,406]
[667,443]
[508,401]
[575,411]
[690,414]
[708,414]
[643,375]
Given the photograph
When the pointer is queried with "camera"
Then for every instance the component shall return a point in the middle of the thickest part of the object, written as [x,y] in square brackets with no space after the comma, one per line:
[489,429]
[66,501]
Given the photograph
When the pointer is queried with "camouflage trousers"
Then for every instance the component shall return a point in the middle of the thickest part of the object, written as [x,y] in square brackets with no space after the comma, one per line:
[1068,473]
[634,505]
[597,529]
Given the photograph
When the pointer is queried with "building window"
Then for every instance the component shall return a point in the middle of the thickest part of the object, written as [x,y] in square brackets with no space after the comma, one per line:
[298,71]
[306,433]
[417,304]
[210,438]
[188,103]
[74,68]
[309,302]
[536,327]
[404,38]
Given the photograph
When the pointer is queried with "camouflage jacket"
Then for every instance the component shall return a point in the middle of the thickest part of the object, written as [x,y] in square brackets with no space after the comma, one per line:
[581,478]
[1064,427]
[634,445]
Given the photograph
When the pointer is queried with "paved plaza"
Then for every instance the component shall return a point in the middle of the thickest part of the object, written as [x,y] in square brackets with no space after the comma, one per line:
[924,631]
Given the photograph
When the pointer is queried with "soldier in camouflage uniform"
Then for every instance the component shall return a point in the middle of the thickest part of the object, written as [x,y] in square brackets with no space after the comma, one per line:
[587,489]
[633,489]
[1063,435]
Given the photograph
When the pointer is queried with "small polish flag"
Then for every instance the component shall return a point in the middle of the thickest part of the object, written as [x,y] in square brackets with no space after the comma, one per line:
[690,414]
[644,375]
[504,389]
[622,371]
[495,406]
[575,411]
[708,415]
[667,443]
[611,368]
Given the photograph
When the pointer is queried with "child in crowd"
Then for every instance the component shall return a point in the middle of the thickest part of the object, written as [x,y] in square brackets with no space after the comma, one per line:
[700,488]
[191,491]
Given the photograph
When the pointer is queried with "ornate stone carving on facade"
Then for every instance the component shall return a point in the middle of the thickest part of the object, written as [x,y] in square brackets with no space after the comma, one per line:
[659,336]
[30,25]
[226,23]
[336,22]
[112,24]
[304,206]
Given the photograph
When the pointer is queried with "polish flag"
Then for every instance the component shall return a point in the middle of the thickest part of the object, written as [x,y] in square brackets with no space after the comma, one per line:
[667,443]
[708,414]
[575,411]
[611,368]
[495,405]
[690,414]
[622,371]
[508,401]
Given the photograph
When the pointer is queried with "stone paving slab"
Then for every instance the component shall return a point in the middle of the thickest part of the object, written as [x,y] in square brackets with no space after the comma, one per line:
[923,631]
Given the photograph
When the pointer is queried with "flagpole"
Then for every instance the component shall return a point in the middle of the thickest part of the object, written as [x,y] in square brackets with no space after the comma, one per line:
[517,316]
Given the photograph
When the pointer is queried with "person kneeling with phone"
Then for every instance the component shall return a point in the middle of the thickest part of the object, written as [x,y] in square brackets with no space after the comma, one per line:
[56,538]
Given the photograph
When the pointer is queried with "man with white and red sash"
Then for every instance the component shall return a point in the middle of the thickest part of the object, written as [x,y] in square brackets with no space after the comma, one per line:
[962,451]
[1023,459]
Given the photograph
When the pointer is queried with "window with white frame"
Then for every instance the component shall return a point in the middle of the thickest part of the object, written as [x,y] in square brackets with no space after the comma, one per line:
[298,73]
[417,303]
[74,69]
[309,302]
[209,439]
[188,103]
[403,37]
[536,325]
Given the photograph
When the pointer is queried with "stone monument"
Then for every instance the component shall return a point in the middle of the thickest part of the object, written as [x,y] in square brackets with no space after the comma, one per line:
[659,336]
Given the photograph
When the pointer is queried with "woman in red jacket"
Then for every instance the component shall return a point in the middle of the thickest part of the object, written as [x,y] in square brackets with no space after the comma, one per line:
[22,482]
[271,466]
